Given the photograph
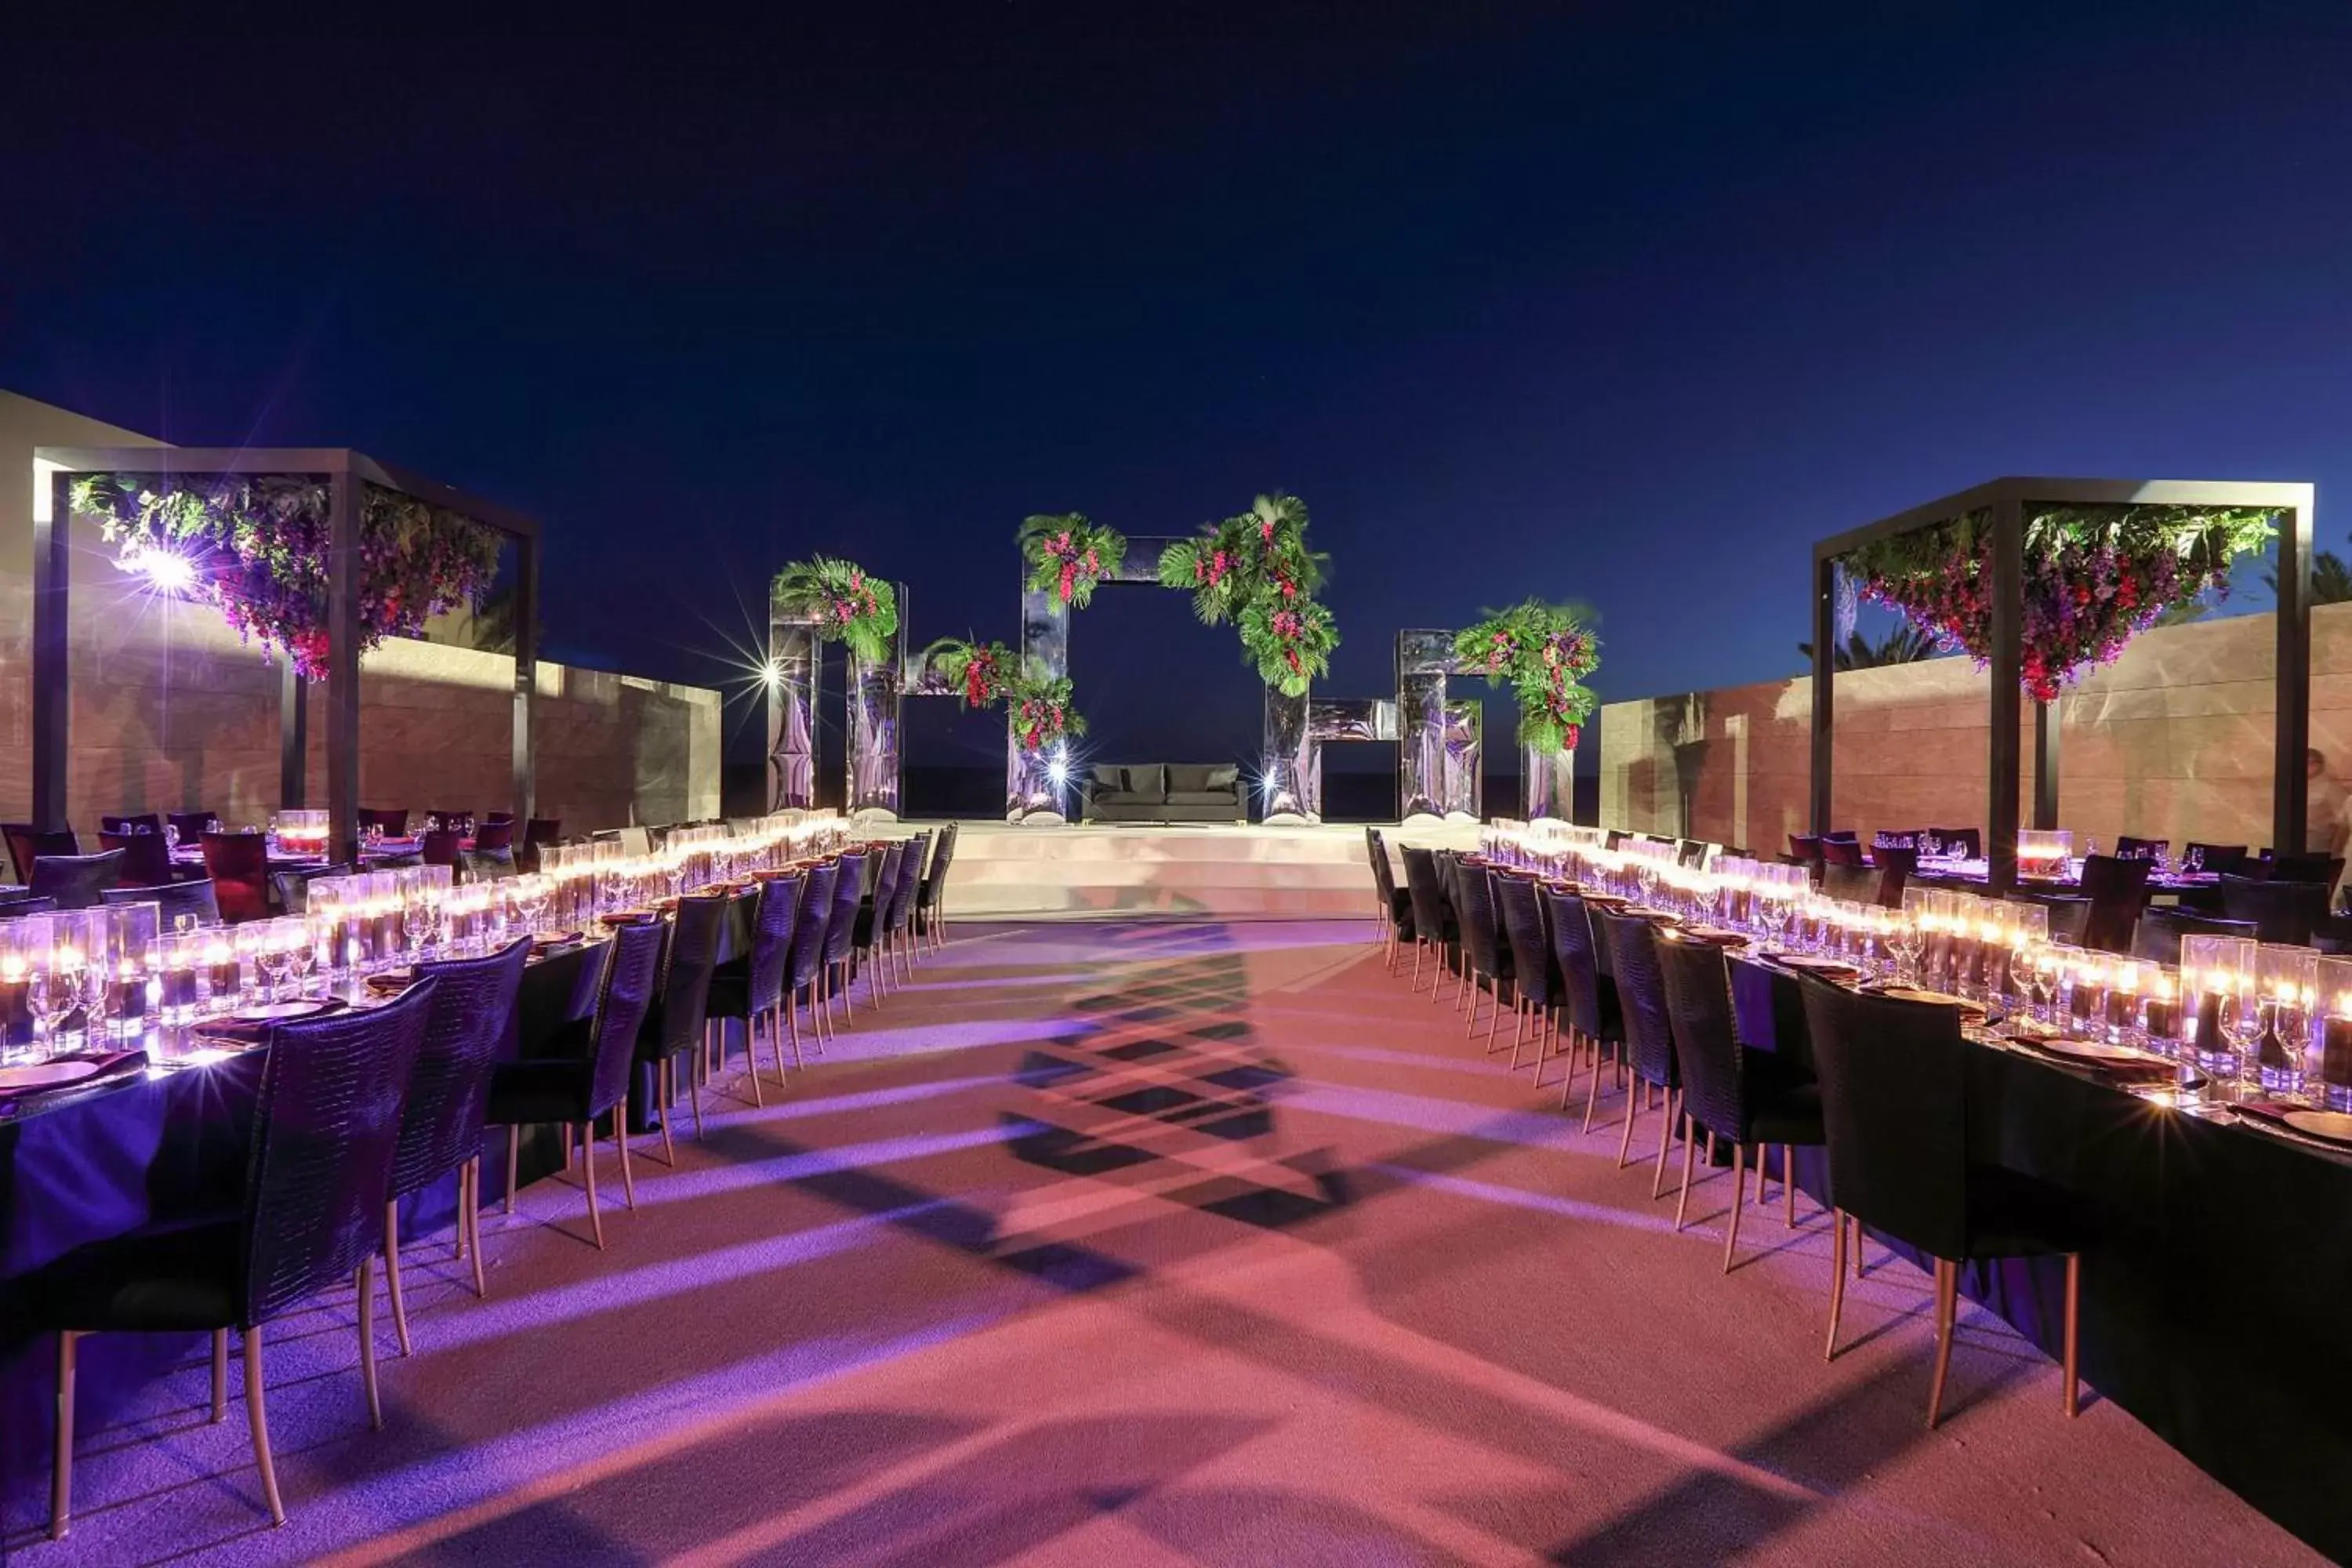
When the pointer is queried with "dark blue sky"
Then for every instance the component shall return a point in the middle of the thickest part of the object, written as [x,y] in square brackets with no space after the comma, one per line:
[1623,304]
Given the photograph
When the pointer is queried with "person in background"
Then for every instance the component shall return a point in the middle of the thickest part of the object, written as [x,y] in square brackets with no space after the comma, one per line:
[2327,800]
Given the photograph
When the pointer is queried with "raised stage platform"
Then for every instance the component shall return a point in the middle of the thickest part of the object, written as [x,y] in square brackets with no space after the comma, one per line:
[1177,870]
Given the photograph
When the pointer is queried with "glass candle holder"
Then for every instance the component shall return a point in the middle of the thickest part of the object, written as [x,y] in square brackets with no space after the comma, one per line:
[219,974]
[178,994]
[2086,997]
[2216,972]
[2288,978]
[2122,1005]
[24,944]
[2160,1015]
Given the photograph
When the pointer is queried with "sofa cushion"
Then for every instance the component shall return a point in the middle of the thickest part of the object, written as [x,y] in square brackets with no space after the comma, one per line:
[1225,776]
[1148,780]
[1189,778]
[1107,776]
[1224,797]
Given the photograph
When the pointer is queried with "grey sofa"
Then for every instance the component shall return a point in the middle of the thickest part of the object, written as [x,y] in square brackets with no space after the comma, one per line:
[1164,792]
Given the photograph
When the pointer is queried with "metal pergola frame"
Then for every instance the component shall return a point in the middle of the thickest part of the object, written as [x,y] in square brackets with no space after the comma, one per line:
[345,471]
[2007,501]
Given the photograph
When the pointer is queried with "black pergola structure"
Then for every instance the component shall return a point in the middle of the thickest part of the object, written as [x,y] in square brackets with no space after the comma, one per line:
[2010,502]
[345,472]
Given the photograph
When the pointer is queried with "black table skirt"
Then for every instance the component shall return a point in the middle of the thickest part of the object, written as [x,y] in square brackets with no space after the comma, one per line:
[2218,1310]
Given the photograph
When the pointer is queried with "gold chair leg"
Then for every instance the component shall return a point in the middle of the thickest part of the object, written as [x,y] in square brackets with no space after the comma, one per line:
[588,1158]
[1519,1024]
[1788,1186]
[750,1054]
[1759,1174]
[220,1375]
[1738,1191]
[1948,1289]
[61,1461]
[1665,1140]
[2071,1365]
[667,1101]
[1625,1144]
[1682,1202]
[391,1273]
[365,1276]
[621,1141]
[473,1201]
[792,1020]
[257,1416]
[1591,1098]
[1856,1220]
[1471,1027]
[1837,1279]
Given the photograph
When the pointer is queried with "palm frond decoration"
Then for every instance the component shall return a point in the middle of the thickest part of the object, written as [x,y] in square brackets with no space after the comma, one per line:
[1231,563]
[843,600]
[1040,709]
[1289,640]
[981,671]
[1542,652]
[1068,555]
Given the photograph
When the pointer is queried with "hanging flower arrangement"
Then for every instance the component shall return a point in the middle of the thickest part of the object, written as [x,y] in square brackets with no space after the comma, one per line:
[980,671]
[1290,640]
[256,548]
[1263,551]
[1542,652]
[1068,555]
[2094,577]
[842,601]
[1041,712]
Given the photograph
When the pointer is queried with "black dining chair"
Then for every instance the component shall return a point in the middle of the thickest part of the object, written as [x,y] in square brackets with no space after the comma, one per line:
[139,822]
[1895,864]
[677,1022]
[750,985]
[1588,997]
[1962,843]
[479,865]
[898,936]
[326,1116]
[1851,884]
[1488,959]
[77,881]
[27,844]
[539,833]
[495,832]
[841,933]
[2070,916]
[1649,1033]
[873,919]
[191,826]
[2280,911]
[292,885]
[472,1013]
[392,822]
[1841,851]
[238,864]
[438,846]
[1895,1108]
[588,1075]
[2117,890]
[804,975]
[460,823]
[1750,1099]
[2130,848]
[145,861]
[1432,917]
[172,899]
[2314,868]
[931,912]
[2219,858]
[17,908]
[1535,973]
[1391,905]
[2161,926]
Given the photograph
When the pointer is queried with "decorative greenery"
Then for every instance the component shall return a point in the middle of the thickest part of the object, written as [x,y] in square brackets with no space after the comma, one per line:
[1041,711]
[845,605]
[1069,555]
[2094,577]
[257,547]
[1289,640]
[983,670]
[1542,652]
[1263,551]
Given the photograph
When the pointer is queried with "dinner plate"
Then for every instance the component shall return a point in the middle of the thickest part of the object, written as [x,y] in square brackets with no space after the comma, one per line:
[1816,964]
[281,1012]
[626,917]
[1714,936]
[1941,998]
[2333,1125]
[2099,1053]
[47,1074]
[554,939]
[389,984]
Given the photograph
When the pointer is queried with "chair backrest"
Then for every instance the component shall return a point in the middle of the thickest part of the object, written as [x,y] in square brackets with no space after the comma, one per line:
[75,881]
[142,822]
[1805,848]
[2217,857]
[1897,864]
[24,904]
[390,821]
[2318,867]
[2117,890]
[1895,1106]
[2069,915]
[1421,885]
[2281,912]
[172,899]
[770,961]
[841,930]
[1473,906]
[815,922]
[1698,978]
[1853,884]
[238,864]
[675,1022]
[935,876]
[886,889]
[541,830]
[2161,927]
[27,844]
[145,859]
[472,1013]
[1967,843]
[191,825]
[323,1133]
[1383,874]
[485,864]
[1523,927]
[1841,851]
[439,847]
[494,836]
[1570,921]
[622,1003]
[1641,997]
[910,880]
[2130,848]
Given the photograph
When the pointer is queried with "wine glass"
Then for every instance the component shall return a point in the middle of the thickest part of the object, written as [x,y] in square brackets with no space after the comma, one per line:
[420,927]
[1905,943]
[49,994]
[301,957]
[1931,847]
[269,965]
[97,987]
[2195,859]
[2042,972]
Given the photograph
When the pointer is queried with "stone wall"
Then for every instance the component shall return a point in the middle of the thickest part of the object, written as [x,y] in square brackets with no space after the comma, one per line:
[2172,741]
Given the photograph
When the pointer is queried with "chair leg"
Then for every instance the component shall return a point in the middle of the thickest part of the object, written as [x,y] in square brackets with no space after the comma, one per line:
[667,1104]
[621,1141]
[1665,1140]
[1948,1289]
[1414,985]
[1682,1202]
[220,1375]
[1837,1279]
[1626,1144]
[61,1461]
[2072,1363]
[365,1276]
[1760,1175]
[1518,1022]
[588,1158]
[1472,1026]
[257,1416]
[514,1148]
[1788,1186]
[473,1201]
[793,1019]
[750,1054]
[1857,1245]
[392,1272]
[1739,1192]
[1591,1092]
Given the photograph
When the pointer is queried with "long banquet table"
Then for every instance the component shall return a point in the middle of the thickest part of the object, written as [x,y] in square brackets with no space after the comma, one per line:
[2218,1308]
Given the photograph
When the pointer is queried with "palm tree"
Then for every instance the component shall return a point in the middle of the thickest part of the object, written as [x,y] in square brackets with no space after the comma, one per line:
[2331,579]
[1903,645]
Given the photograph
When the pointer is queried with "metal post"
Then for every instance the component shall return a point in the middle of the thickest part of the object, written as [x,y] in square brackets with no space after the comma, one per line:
[293,736]
[875,770]
[1824,691]
[343,664]
[526,677]
[791,680]
[2045,765]
[2007,701]
[52,654]
[2290,789]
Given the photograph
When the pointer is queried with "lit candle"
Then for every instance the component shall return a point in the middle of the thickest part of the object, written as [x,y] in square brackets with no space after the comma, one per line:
[16,1012]
[2090,992]
[2162,1019]
[222,975]
[2123,1001]
[130,995]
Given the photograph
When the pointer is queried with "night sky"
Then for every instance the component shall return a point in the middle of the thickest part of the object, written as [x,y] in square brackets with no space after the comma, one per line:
[1621,304]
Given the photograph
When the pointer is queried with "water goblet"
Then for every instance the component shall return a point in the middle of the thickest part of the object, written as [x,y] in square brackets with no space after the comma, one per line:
[1905,942]
[96,986]
[48,996]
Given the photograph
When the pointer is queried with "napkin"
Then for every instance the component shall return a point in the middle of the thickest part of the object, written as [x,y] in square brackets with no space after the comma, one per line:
[108,1064]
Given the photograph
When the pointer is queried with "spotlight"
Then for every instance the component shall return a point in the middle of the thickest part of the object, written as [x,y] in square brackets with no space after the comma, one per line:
[167,571]
[1058,770]
[773,674]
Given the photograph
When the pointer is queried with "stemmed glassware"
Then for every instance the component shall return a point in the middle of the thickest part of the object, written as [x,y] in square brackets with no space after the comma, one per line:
[1905,942]
[49,994]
